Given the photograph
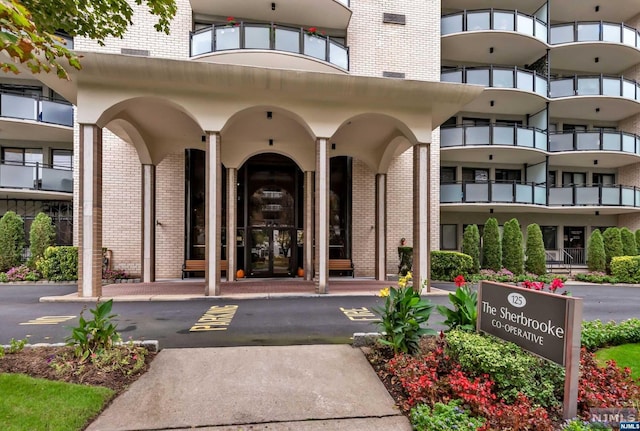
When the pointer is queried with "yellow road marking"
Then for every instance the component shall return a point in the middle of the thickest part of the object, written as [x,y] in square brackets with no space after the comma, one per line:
[48,320]
[216,318]
[359,314]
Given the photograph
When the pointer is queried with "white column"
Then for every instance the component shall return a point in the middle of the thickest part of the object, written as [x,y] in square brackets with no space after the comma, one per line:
[322,216]
[381,227]
[213,206]
[232,205]
[90,212]
[148,223]
[308,225]
[421,191]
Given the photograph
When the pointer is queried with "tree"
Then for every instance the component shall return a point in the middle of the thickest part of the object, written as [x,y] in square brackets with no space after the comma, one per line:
[596,257]
[629,246]
[41,235]
[11,240]
[536,262]
[612,244]
[491,246]
[27,32]
[637,235]
[471,245]
[512,251]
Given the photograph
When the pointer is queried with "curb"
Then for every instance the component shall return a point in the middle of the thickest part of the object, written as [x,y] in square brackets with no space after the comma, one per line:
[150,345]
[365,339]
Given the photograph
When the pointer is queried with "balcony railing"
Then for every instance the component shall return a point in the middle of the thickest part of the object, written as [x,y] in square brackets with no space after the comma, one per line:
[594,140]
[493,192]
[36,177]
[598,85]
[596,195]
[498,77]
[35,108]
[493,134]
[595,31]
[222,37]
[493,19]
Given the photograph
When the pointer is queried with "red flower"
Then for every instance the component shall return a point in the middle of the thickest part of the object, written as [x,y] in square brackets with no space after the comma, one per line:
[556,284]
[312,30]
[231,21]
[460,281]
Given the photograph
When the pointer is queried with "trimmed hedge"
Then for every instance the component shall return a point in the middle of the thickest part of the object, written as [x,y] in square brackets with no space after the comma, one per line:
[59,263]
[471,245]
[536,262]
[41,235]
[629,247]
[626,269]
[447,265]
[612,244]
[596,256]
[491,246]
[596,335]
[11,240]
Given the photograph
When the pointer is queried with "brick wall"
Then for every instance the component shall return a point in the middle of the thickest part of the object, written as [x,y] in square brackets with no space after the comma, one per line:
[363,218]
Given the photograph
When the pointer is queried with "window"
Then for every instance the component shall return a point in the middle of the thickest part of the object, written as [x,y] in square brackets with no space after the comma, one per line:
[472,175]
[447,175]
[574,179]
[550,237]
[574,128]
[22,156]
[508,175]
[552,178]
[451,122]
[448,237]
[603,179]
[62,159]
[475,121]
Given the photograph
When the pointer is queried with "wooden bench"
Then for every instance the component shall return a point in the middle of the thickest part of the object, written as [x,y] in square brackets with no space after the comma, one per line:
[193,265]
[341,265]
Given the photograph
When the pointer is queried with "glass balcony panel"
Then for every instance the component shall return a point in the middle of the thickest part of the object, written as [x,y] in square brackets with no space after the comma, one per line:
[524,193]
[525,24]
[57,180]
[611,33]
[19,177]
[561,142]
[611,141]
[629,36]
[315,47]
[257,37]
[502,193]
[587,196]
[451,76]
[503,78]
[478,21]
[227,38]
[540,195]
[541,140]
[477,192]
[201,43]
[525,137]
[562,88]
[503,21]
[560,196]
[637,195]
[525,80]
[451,24]
[628,89]
[56,113]
[478,76]
[477,135]
[588,86]
[611,87]
[503,136]
[628,195]
[338,55]
[19,107]
[610,196]
[588,32]
[541,31]
[450,193]
[586,141]
[451,137]
[629,143]
[541,86]
[562,34]
[287,40]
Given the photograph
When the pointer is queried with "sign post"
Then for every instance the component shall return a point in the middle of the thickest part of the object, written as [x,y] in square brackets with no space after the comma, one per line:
[545,324]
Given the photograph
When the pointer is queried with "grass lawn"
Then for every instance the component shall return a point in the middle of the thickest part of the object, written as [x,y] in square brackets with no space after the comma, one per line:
[37,404]
[626,355]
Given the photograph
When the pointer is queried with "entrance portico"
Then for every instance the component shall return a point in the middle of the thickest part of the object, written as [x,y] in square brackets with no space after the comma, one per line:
[163,106]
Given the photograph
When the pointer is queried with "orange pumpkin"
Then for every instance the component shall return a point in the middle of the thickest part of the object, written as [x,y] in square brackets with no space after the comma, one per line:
[300,272]
[240,273]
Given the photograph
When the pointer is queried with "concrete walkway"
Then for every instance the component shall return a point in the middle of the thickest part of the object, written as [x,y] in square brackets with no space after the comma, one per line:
[302,388]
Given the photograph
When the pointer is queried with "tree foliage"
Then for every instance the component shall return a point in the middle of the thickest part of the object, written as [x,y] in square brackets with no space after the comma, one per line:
[612,244]
[512,251]
[491,246]
[596,257]
[536,262]
[41,235]
[471,245]
[27,32]
[11,240]
[629,246]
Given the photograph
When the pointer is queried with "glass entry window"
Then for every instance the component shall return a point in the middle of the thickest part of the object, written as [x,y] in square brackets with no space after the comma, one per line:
[271,252]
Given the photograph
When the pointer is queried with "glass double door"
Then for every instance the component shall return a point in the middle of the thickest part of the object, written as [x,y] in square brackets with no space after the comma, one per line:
[272,251]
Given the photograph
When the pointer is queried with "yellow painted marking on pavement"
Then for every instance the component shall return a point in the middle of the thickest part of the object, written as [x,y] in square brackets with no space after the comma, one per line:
[48,320]
[359,314]
[216,318]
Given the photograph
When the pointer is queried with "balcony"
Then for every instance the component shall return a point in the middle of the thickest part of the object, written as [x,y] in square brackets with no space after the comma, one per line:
[594,46]
[597,195]
[531,96]
[602,98]
[255,44]
[493,192]
[35,108]
[611,149]
[36,178]
[470,36]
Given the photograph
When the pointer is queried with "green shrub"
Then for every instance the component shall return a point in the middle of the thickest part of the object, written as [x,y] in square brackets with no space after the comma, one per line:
[464,314]
[596,256]
[512,251]
[536,262]
[471,245]
[59,263]
[612,244]
[578,425]
[595,277]
[447,265]
[629,246]
[637,235]
[512,369]
[95,335]
[41,235]
[596,334]
[11,240]
[626,269]
[491,246]
[405,254]
[443,417]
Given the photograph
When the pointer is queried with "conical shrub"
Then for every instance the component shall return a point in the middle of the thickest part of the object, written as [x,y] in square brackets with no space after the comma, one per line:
[512,251]
[596,257]
[536,261]
[491,246]
[629,246]
[12,240]
[612,244]
[471,245]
